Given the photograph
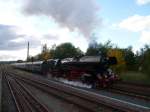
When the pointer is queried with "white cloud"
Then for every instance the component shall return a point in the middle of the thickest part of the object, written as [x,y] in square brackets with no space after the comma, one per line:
[136,23]
[17,55]
[4,56]
[142,2]
[145,37]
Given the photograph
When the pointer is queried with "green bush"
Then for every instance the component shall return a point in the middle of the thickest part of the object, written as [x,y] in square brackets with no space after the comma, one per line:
[135,77]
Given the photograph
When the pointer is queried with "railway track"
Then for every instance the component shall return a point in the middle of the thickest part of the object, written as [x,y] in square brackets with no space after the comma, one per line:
[134,90]
[89,101]
[130,89]
[80,97]
[24,100]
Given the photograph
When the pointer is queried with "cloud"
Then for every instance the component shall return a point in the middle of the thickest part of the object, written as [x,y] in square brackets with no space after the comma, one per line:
[10,40]
[50,37]
[6,32]
[142,2]
[136,23]
[139,24]
[75,14]
[145,37]
[3,57]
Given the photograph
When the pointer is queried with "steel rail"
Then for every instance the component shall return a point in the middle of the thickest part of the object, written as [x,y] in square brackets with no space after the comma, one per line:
[132,88]
[24,105]
[36,103]
[67,97]
[12,92]
[90,96]
[19,106]
[24,100]
[123,92]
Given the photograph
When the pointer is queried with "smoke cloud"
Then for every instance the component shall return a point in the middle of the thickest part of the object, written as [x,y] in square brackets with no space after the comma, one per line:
[80,15]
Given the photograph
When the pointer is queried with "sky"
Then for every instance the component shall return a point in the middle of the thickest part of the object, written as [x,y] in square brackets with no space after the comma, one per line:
[123,22]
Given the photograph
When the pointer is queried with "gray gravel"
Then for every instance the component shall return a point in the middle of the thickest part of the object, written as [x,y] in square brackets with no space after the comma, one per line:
[7,103]
[52,102]
[122,97]
[118,96]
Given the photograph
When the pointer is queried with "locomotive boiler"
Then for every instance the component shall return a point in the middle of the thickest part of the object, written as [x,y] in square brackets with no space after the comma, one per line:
[94,70]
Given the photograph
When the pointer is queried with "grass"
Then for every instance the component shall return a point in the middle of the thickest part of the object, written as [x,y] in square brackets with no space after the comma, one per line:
[135,77]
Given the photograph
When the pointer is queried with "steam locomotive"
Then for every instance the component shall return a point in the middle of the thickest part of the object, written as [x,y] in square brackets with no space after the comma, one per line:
[94,70]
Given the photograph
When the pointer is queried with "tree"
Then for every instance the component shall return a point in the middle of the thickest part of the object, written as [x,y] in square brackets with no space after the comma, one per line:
[104,48]
[93,49]
[145,61]
[66,50]
[52,51]
[130,58]
[45,52]
[119,54]
[99,49]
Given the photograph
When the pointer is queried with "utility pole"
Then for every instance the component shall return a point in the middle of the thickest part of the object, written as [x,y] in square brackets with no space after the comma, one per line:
[28,51]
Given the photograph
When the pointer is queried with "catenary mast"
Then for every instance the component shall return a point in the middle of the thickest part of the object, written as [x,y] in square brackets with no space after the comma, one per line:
[28,51]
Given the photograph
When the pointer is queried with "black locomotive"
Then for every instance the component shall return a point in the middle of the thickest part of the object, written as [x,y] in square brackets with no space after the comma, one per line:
[92,70]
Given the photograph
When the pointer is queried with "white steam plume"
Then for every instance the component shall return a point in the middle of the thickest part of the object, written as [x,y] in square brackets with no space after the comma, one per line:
[75,14]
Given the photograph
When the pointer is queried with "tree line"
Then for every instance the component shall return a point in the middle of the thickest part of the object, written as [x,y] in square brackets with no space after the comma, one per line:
[127,59]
